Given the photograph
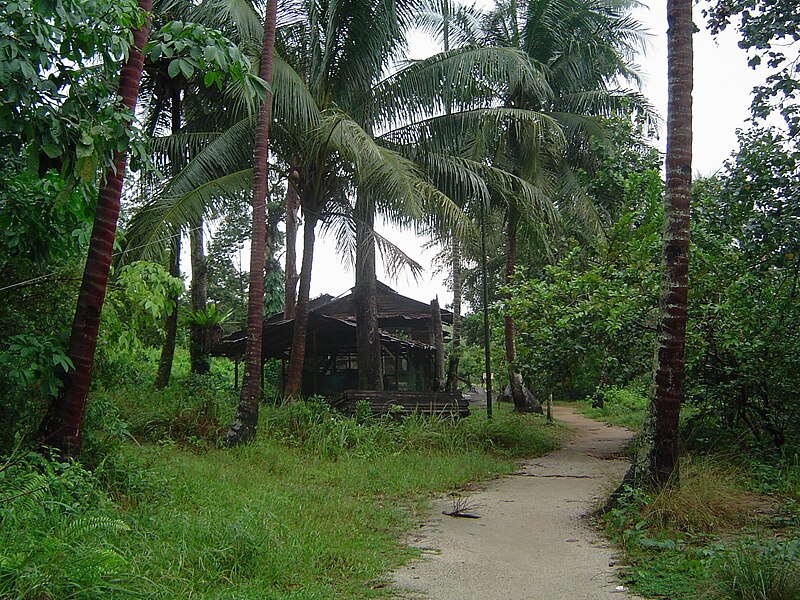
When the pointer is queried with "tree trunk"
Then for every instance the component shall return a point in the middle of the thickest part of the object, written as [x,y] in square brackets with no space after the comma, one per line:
[518,396]
[243,428]
[452,366]
[61,427]
[451,384]
[294,377]
[290,292]
[171,322]
[197,346]
[658,461]
[438,342]
[368,338]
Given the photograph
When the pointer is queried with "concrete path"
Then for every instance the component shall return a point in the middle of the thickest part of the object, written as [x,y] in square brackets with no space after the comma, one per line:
[530,542]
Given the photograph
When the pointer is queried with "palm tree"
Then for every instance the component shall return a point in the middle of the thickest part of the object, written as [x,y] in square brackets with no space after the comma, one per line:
[171,322]
[61,428]
[244,424]
[584,48]
[658,459]
[323,119]
[188,109]
[339,51]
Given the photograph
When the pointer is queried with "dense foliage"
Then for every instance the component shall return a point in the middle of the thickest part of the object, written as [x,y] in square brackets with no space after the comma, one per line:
[587,321]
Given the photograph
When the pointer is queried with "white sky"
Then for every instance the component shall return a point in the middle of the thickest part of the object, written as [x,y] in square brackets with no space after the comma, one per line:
[721,104]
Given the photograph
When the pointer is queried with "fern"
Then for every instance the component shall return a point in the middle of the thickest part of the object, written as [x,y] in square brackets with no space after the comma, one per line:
[57,529]
[24,495]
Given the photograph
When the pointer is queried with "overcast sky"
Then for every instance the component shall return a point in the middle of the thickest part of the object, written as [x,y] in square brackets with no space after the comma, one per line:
[721,101]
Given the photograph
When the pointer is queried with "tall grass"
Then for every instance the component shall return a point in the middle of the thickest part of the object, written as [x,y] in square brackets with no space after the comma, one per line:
[709,497]
[314,508]
[315,426]
[758,571]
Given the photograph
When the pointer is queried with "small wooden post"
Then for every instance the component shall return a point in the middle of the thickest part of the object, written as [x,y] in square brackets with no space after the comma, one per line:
[550,408]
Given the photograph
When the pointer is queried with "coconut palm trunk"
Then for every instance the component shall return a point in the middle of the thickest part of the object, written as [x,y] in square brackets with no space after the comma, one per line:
[290,291]
[171,322]
[437,336]
[61,427]
[452,364]
[368,340]
[518,396]
[658,462]
[294,378]
[243,428]
[197,347]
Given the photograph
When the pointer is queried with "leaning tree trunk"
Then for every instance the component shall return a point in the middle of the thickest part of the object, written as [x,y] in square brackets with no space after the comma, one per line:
[452,365]
[243,428]
[368,337]
[171,322]
[297,358]
[518,396]
[197,333]
[290,291]
[658,460]
[61,427]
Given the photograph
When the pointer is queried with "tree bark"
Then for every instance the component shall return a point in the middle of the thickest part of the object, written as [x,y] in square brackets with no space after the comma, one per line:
[197,334]
[438,342]
[368,339]
[61,427]
[518,396]
[171,322]
[658,462]
[294,377]
[452,366]
[243,428]
[290,292]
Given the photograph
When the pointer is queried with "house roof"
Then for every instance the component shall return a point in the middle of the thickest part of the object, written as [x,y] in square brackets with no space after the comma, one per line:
[390,304]
[333,321]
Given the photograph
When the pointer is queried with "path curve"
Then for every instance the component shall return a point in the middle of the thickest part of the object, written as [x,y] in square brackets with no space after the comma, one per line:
[530,542]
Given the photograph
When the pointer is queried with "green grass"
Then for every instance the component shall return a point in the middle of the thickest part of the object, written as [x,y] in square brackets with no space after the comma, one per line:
[621,407]
[267,521]
[316,507]
[709,536]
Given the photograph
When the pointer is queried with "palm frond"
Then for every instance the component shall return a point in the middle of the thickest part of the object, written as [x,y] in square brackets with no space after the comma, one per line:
[458,80]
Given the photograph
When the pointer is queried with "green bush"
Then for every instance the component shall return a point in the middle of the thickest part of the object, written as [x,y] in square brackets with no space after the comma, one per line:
[191,412]
[619,406]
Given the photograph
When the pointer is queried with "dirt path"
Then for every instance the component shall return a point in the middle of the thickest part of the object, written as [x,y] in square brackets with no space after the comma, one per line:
[530,542]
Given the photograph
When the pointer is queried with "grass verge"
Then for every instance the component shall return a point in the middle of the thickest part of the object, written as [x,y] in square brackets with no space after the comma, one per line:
[710,536]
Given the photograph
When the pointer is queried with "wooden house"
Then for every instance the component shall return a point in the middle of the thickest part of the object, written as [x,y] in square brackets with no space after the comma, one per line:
[331,364]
